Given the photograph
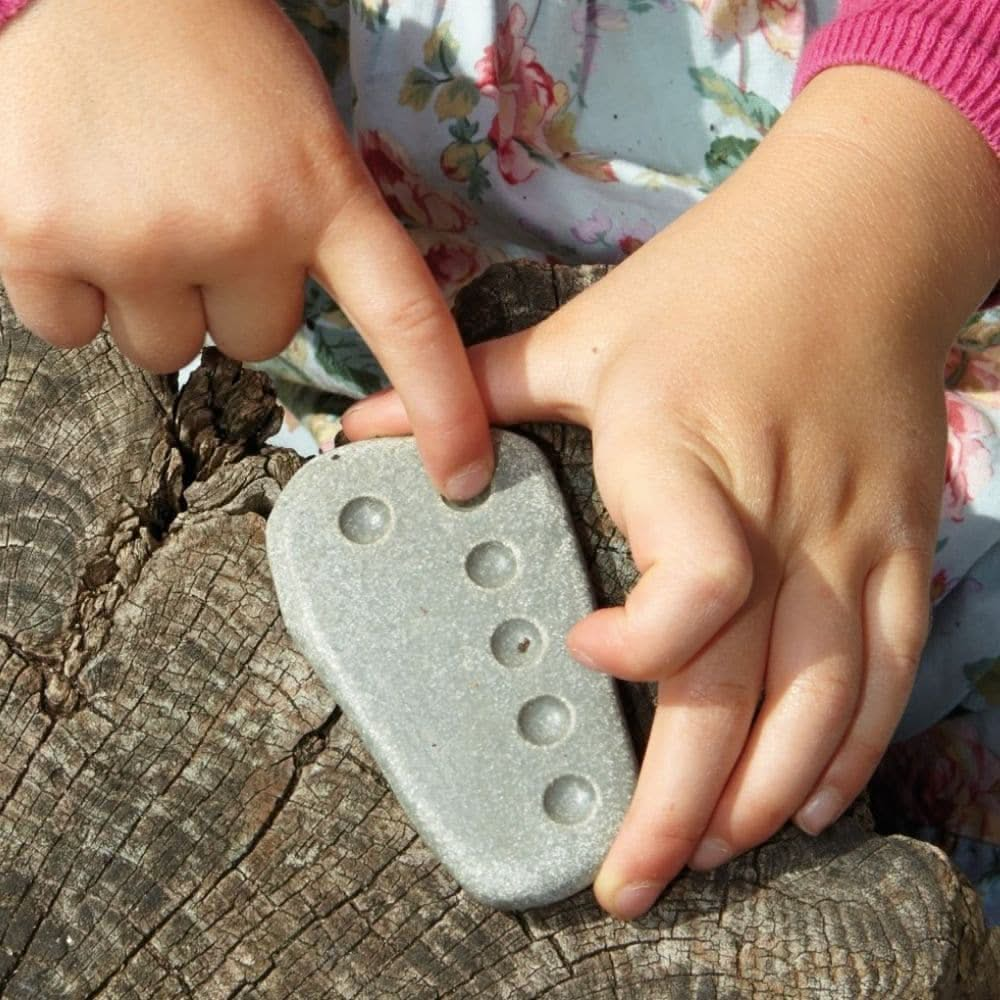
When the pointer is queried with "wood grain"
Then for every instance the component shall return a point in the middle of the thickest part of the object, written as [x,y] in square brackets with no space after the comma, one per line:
[184,811]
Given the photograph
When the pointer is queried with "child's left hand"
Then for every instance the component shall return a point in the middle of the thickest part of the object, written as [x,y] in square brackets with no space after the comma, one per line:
[763,383]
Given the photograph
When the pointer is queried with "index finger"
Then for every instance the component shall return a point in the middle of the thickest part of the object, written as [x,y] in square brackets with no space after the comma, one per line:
[369,264]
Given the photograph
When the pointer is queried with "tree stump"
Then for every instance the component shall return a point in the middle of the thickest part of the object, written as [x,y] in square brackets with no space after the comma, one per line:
[184,811]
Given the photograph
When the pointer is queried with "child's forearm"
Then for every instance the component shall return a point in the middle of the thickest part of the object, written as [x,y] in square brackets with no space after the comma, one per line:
[886,198]
[951,45]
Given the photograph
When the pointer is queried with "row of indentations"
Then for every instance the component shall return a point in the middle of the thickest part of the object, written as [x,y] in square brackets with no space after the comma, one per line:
[543,721]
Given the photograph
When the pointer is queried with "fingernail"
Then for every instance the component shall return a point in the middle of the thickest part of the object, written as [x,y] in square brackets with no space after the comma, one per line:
[710,854]
[469,482]
[342,436]
[820,811]
[360,404]
[634,900]
[581,657]
[353,410]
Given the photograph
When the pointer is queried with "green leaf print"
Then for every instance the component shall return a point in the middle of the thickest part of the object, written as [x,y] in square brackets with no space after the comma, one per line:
[725,154]
[441,49]
[351,363]
[372,13]
[748,107]
[463,130]
[327,39]
[982,330]
[418,86]
[456,98]
[479,183]
[460,159]
[317,303]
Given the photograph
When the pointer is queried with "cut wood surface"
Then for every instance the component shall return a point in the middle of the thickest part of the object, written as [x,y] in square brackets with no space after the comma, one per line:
[185,812]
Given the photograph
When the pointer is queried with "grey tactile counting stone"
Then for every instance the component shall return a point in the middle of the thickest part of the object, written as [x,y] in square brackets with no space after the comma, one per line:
[441,631]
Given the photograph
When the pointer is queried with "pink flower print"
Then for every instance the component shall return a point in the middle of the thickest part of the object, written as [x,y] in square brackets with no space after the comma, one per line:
[945,778]
[597,229]
[642,232]
[528,99]
[406,193]
[940,585]
[968,467]
[781,21]
[593,229]
[953,363]
[453,261]
[965,777]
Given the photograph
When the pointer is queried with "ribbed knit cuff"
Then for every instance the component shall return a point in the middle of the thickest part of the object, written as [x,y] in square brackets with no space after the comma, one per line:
[8,8]
[950,45]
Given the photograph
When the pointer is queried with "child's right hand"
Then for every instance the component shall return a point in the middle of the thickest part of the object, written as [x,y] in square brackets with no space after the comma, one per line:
[180,167]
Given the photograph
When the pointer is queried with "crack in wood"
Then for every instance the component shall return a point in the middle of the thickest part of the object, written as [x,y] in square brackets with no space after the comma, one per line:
[125,818]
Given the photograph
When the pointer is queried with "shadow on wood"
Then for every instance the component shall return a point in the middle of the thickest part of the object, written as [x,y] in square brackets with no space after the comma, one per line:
[184,812]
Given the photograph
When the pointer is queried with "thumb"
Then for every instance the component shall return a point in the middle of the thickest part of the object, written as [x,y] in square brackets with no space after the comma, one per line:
[532,375]
[691,550]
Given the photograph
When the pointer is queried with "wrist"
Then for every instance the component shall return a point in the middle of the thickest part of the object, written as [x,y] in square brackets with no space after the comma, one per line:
[882,191]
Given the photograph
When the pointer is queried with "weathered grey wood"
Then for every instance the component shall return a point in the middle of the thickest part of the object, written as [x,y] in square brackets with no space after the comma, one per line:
[185,813]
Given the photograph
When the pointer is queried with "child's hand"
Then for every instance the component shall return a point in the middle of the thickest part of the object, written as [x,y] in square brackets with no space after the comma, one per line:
[180,167]
[768,424]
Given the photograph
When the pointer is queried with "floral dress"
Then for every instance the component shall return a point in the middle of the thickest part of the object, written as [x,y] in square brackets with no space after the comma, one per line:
[573,130]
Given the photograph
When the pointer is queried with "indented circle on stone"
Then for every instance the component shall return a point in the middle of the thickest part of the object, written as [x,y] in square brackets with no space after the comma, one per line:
[491,565]
[516,643]
[365,520]
[570,799]
[544,720]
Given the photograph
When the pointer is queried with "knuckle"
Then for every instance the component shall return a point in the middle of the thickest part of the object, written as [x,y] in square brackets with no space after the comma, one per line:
[41,311]
[261,345]
[902,658]
[913,529]
[353,198]
[66,333]
[135,254]
[771,814]
[163,238]
[418,318]
[865,755]
[670,832]
[733,696]
[165,361]
[447,423]
[724,581]
[829,694]
[33,225]
[646,669]
[241,232]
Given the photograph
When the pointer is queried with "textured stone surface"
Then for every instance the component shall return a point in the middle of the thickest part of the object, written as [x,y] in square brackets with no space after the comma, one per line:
[440,629]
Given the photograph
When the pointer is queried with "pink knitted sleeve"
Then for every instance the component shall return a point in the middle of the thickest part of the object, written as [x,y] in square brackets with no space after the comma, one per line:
[951,45]
[8,8]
